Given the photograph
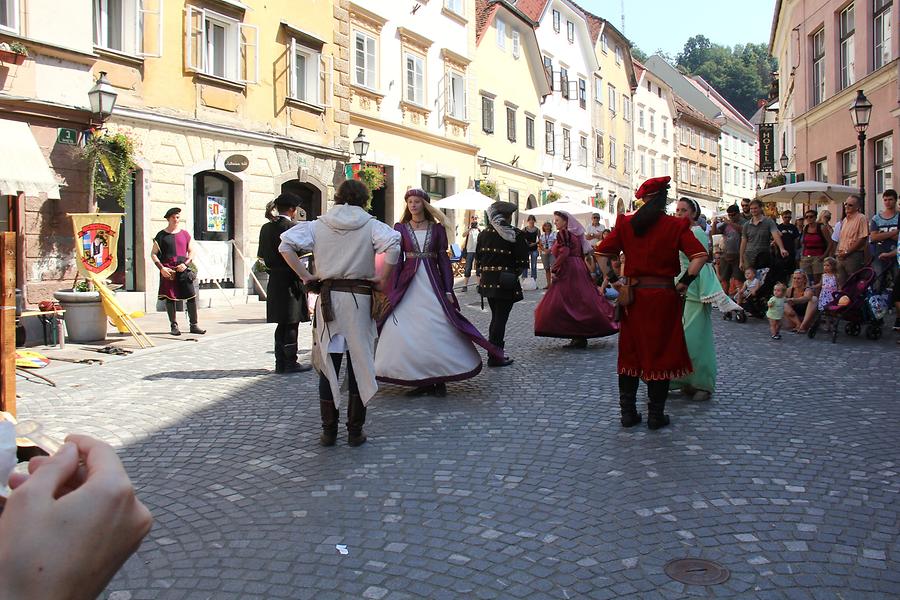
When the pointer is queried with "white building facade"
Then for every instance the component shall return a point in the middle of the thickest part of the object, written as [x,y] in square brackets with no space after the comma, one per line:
[654,134]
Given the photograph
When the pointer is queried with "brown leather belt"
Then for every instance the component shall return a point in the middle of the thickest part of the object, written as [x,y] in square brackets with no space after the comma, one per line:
[352,286]
[651,281]
[421,255]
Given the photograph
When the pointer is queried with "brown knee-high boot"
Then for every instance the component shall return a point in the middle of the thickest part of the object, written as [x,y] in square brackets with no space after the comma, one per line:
[330,417]
[356,418]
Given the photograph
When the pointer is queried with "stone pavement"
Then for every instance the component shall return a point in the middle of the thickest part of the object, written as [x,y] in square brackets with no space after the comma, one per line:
[519,484]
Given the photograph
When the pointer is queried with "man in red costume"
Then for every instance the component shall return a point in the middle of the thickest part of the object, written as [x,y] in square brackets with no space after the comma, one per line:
[651,339]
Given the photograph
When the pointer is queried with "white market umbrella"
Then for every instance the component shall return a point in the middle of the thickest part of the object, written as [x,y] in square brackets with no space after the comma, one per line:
[569,206]
[809,192]
[468,199]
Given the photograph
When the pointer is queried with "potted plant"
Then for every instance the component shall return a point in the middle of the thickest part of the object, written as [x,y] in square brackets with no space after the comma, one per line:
[261,271]
[601,203]
[85,318]
[373,177]
[552,197]
[110,157]
[488,188]
[13,52]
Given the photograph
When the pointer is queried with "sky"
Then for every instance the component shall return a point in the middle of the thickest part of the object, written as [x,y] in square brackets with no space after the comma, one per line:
[667,24]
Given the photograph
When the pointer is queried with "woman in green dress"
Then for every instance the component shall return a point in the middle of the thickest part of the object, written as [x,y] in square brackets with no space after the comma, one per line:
[702,294]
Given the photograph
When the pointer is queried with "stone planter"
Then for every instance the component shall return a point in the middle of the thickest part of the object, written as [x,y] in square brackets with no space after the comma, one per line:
[10,57]
[85,319]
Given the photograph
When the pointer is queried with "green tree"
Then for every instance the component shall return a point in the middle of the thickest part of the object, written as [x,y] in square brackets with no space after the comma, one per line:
[638,54]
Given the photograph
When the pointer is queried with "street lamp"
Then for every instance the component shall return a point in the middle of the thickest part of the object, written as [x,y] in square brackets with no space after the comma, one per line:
[361,146]
[784,160]
[860,113]
[550,180]
[102,98]
[485,167]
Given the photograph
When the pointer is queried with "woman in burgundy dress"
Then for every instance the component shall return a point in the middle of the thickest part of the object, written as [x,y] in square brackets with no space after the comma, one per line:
[572,307]
[173,251]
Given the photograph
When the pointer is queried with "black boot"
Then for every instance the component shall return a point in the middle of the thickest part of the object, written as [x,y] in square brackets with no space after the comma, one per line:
[424,390]
[628,406]
[496,362]
[330,417]
[657,392]
[440,389]
[356,418]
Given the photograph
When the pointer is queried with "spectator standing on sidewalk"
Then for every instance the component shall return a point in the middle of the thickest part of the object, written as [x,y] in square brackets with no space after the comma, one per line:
[173,253]
[286,302]
[470,243]
[757,237]
[815,245]
[545,244]
[530,232]
[883,235]
[730,260]
[789,236]
[854,235]
[344,242]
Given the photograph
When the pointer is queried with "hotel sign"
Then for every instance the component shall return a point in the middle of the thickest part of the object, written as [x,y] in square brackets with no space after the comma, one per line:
[767,147]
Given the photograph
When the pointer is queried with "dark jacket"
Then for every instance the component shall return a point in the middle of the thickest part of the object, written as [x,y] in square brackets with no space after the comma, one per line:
[493,256]
[285,294]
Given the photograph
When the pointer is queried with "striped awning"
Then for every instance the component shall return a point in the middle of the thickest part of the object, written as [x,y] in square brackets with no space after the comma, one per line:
[23,168]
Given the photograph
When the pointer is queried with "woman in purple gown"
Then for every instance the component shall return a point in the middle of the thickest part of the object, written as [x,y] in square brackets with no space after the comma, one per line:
[572,307]
[424,341]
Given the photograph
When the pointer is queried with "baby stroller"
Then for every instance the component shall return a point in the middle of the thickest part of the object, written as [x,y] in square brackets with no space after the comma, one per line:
[855,312]
[757,304]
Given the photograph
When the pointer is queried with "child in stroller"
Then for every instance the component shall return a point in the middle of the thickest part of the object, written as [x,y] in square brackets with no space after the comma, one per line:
[753,295]
[851,305]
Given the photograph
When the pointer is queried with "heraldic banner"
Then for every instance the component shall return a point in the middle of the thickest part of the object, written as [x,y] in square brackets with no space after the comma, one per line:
[96,241]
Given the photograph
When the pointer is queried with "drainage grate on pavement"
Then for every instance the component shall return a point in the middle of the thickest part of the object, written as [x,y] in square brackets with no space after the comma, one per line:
[696,571]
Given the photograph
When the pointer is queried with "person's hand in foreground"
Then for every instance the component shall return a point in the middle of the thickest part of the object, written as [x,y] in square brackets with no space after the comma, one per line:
[68,527]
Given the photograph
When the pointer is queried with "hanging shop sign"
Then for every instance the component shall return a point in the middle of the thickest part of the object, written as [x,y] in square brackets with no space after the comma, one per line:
[767,147]
[97,238]
[237,163]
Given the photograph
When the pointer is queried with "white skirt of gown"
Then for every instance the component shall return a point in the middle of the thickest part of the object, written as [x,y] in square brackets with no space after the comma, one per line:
[418,343]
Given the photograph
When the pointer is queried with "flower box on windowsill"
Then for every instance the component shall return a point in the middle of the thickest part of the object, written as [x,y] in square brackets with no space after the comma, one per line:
[9,57]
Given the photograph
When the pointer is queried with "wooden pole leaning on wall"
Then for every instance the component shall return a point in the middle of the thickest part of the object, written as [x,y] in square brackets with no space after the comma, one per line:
[8,322]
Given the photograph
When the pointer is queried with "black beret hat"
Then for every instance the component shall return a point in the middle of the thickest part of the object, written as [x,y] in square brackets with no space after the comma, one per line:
[173,211]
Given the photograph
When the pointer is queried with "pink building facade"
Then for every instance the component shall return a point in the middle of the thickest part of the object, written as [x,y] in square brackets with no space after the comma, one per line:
[827,50]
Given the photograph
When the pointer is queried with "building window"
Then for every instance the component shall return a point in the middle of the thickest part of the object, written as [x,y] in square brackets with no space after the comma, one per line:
[683,171]
[627,159]
[487,114]
[818,66]
[305,64]
[884,161]
[612,153]
[652,124]
[692,137]
[118,24]
[695,179]
[737,180]
[641,119]
[847,28]
[364,60]
[665,129]
[564,82]
[600,149]
[567,144]
[570,31]
[598,90]
[727,171]
[604,43]
[456,96]
[702,137]
[435,186]
[9,16]
[582,93]
[548,70]
[882,32]
[704,177]
[712,144]
[744,177]
[652,167]
[529,132]
[642,164]
[510,123]
[820,170]
[221,46]
[549,138]
[501,34]
[848,167]
[612,99]
[618,55]
[582,151]
[516,45]
[514,197]
[556,21]
[415,78]
[713,180]
[454,5]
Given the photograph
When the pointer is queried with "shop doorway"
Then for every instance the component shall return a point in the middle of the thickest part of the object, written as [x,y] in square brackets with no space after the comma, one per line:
[310,198]
[126,252]
[213,207]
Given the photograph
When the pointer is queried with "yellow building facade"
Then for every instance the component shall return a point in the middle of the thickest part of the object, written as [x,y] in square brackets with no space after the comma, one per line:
[613,117]
[508,129]
[228,106]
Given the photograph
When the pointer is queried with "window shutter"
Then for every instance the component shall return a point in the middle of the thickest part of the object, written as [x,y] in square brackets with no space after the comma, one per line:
[248,48]
[195,39]
[573,89]
[445,94]
[149,28]
[292,87]
[326,75]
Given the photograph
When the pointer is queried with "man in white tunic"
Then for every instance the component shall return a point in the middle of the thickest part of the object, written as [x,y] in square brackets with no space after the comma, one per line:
[344,242]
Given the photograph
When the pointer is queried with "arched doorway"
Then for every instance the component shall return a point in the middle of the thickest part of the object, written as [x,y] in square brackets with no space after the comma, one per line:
[213,207]
[310,198]
[531,202]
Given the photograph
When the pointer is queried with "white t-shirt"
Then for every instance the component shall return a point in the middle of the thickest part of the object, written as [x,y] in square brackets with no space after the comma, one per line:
[594,230]
[472,240]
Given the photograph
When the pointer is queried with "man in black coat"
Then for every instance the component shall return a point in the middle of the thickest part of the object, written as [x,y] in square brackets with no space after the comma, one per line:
[286,302]
[500,256]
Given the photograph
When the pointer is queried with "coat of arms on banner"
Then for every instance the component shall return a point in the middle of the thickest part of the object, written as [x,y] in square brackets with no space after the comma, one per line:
[96,242]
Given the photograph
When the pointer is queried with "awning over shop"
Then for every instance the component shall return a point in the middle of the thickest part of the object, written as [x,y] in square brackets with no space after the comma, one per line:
[23,167]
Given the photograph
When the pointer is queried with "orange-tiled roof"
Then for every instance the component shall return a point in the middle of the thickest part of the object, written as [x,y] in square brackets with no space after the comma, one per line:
[532,8]
[483,12]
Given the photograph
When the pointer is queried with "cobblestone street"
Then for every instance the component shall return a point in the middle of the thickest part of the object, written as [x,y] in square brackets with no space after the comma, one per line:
[519,484]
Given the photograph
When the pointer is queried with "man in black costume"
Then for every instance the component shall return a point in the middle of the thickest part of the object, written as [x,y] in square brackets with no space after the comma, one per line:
[286,302]
[501,254]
